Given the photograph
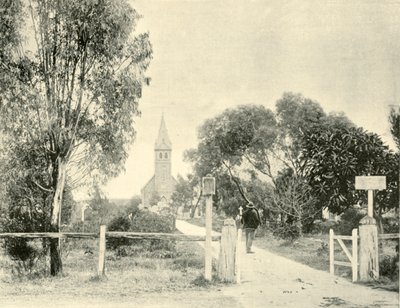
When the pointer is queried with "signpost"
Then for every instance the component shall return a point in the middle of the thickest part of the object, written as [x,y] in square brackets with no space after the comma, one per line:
[370,183]
[369,256]
[208,184]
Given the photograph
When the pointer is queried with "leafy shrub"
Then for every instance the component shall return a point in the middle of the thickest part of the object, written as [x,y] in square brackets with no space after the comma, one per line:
[323,227]
[26,253]
[148,222]
[389,267]
[28,257]
[348,221]
[286,231]
[19,249]
[390,224]
[120,223]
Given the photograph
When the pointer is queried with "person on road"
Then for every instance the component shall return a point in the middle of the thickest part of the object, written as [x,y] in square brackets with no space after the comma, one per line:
[251,220]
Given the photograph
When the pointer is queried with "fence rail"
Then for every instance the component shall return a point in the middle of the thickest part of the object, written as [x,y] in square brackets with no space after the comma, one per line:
[49,235]
[389,236]
[103,235]
[112,234]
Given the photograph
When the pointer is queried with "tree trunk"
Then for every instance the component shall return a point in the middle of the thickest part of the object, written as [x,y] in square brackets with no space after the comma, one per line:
[193,208]
[55,244]
[55,257]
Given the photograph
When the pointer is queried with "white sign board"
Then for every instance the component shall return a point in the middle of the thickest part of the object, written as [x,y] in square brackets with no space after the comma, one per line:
[209,185]
[370,182]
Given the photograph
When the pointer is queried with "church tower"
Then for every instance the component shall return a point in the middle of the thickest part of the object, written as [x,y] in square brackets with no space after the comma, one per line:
[162,168]
[162,184]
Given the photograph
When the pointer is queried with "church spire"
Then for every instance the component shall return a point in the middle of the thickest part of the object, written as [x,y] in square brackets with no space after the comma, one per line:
[163,142]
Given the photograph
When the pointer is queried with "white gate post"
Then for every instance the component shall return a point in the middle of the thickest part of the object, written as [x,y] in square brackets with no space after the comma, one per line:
[208,190]
[238,248]
[102,251]
[354,262]
[331,252]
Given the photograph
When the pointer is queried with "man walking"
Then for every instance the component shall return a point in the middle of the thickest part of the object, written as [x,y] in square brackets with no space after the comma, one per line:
[251,220]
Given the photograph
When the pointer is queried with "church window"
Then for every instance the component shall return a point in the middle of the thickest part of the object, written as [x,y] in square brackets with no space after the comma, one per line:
[160,155]
[165,155]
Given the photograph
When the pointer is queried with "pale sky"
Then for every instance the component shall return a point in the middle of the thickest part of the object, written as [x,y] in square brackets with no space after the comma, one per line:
[210,55]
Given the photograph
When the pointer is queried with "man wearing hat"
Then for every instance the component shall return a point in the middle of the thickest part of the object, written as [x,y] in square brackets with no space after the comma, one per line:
[251,220]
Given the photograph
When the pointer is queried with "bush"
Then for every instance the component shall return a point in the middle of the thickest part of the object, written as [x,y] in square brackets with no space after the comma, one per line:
[144,221]
[390,224]
[389,267]
[323,227]
[348,221]
[123,224]
[286,231]
[28,257]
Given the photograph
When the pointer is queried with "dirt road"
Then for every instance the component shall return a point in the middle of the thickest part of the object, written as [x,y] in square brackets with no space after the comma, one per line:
[269,280]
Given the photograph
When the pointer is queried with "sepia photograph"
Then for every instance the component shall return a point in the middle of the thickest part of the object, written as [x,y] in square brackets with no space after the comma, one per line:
[199,153]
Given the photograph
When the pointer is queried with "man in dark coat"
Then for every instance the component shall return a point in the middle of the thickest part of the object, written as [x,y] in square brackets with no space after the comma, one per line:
[251,220]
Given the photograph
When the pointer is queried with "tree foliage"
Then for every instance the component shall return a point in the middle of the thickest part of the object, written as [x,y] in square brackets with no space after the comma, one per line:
[183,194]
[243,134]
[75,93]
[394,120]
[310,158]
[333,156]
[295,115]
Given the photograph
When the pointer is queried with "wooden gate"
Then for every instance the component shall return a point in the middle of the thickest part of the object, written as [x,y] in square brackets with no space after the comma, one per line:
[353,257]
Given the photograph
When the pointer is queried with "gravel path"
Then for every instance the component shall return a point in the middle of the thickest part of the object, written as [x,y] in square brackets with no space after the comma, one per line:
[269,280]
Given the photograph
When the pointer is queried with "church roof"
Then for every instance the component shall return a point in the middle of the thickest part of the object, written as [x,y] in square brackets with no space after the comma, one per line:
[163,142]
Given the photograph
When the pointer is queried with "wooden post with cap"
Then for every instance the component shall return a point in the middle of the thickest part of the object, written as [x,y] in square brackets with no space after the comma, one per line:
[368,231]
[208,184]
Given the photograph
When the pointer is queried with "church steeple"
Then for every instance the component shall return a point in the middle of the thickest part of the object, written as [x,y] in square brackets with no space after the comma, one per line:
[163,142]
[162,184]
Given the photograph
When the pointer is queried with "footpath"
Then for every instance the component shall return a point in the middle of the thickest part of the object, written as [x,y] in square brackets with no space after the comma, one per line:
[269,280]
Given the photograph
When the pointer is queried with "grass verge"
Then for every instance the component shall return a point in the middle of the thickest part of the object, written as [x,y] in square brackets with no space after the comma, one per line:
[132,273]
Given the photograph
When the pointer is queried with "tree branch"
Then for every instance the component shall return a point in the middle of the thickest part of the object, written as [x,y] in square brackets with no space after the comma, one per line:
[236,181]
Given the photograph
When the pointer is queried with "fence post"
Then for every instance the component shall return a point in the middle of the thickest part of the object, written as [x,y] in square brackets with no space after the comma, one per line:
[226,262]
[354,262]
[369,256]
[331,252]
[207,246]
[208,186]
[238,245]
[237,254]
[102,250]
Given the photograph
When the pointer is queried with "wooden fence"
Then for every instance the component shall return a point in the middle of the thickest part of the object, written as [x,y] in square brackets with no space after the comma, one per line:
[103,234]
[353,257]
[389,236]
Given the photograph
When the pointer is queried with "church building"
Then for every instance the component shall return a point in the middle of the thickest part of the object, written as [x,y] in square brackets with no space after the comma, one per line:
[162,184]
